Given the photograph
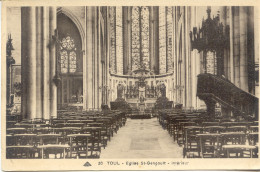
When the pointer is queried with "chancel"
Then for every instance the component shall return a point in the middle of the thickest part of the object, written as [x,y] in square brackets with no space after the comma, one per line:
[132,82]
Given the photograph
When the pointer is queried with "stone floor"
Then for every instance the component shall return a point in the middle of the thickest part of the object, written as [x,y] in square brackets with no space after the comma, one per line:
[142,138]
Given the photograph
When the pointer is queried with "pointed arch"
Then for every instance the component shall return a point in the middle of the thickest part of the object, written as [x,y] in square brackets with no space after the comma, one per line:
[75,20]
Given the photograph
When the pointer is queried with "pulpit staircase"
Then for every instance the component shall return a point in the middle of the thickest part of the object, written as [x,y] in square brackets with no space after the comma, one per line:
[212,89]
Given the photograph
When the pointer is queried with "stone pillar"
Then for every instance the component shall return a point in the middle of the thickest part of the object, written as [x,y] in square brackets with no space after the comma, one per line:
[29,62]
[95,57]
[87,74]
[188,57]
[193,63]
[231,58]
[53,87]
[183,58]
[39,41]
[100,66]
[129,40]
[46,63]
[174,55]
[256,41]
[126,38]
[107,38]
[152,50]
[236,47]
[243,48]
[24,16]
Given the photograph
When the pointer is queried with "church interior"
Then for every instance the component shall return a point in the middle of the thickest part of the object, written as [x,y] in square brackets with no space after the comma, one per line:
[132,82]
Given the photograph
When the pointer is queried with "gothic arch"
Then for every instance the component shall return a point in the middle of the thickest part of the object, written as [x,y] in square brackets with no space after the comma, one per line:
[75,20]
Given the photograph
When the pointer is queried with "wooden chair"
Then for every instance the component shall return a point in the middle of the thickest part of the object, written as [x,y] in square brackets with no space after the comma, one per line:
[49,145]
[25,139]
[13,131]
[233,138]
[235,143]
[79,145]
[19,151]
[181,136]
[209,145]
[253,139]
[238,151]
[205,124]
[236,129]
[253,129]
[10,140]
[213,129]
[21,146]
[55,149]
[94,140]
[191,145]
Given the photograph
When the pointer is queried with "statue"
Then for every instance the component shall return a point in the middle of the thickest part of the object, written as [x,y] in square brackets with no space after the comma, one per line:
[120,89]
[142,99]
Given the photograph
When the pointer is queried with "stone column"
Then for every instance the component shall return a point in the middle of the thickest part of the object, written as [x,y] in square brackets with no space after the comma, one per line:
[188,54]
[243,48]
[174,55]
[29,62]
[129,40]
[24,16]
[152,60]
[95,57]
[183,58]
[231,58]
[236,47]
[256,41]
[53,87]
[87,75]
[100,78]
[108,59]
[39,41]
[193,63]
[46,67]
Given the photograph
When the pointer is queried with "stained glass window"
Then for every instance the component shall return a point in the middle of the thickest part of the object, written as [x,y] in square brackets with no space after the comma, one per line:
[162,39]
[135,38]
[68,56]
[145,36]
[112,13]
[169,38]
[119,41]
[140,37]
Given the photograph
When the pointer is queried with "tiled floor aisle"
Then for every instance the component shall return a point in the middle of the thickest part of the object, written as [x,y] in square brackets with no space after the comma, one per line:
[142,139]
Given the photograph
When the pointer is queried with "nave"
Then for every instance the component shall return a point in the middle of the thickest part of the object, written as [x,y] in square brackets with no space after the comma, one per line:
[142,138]
[83,71]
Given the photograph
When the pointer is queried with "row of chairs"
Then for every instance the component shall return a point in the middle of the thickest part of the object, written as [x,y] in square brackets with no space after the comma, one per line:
[201,138]
[65,136]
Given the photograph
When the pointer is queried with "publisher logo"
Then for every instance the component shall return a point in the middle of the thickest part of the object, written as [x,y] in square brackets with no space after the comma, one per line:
[87,164]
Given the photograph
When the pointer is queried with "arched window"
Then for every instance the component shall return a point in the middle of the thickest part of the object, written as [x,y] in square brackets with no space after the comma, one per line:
[68,55]
[140,37]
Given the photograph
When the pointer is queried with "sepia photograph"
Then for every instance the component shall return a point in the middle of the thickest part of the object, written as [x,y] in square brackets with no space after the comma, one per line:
[161,87]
